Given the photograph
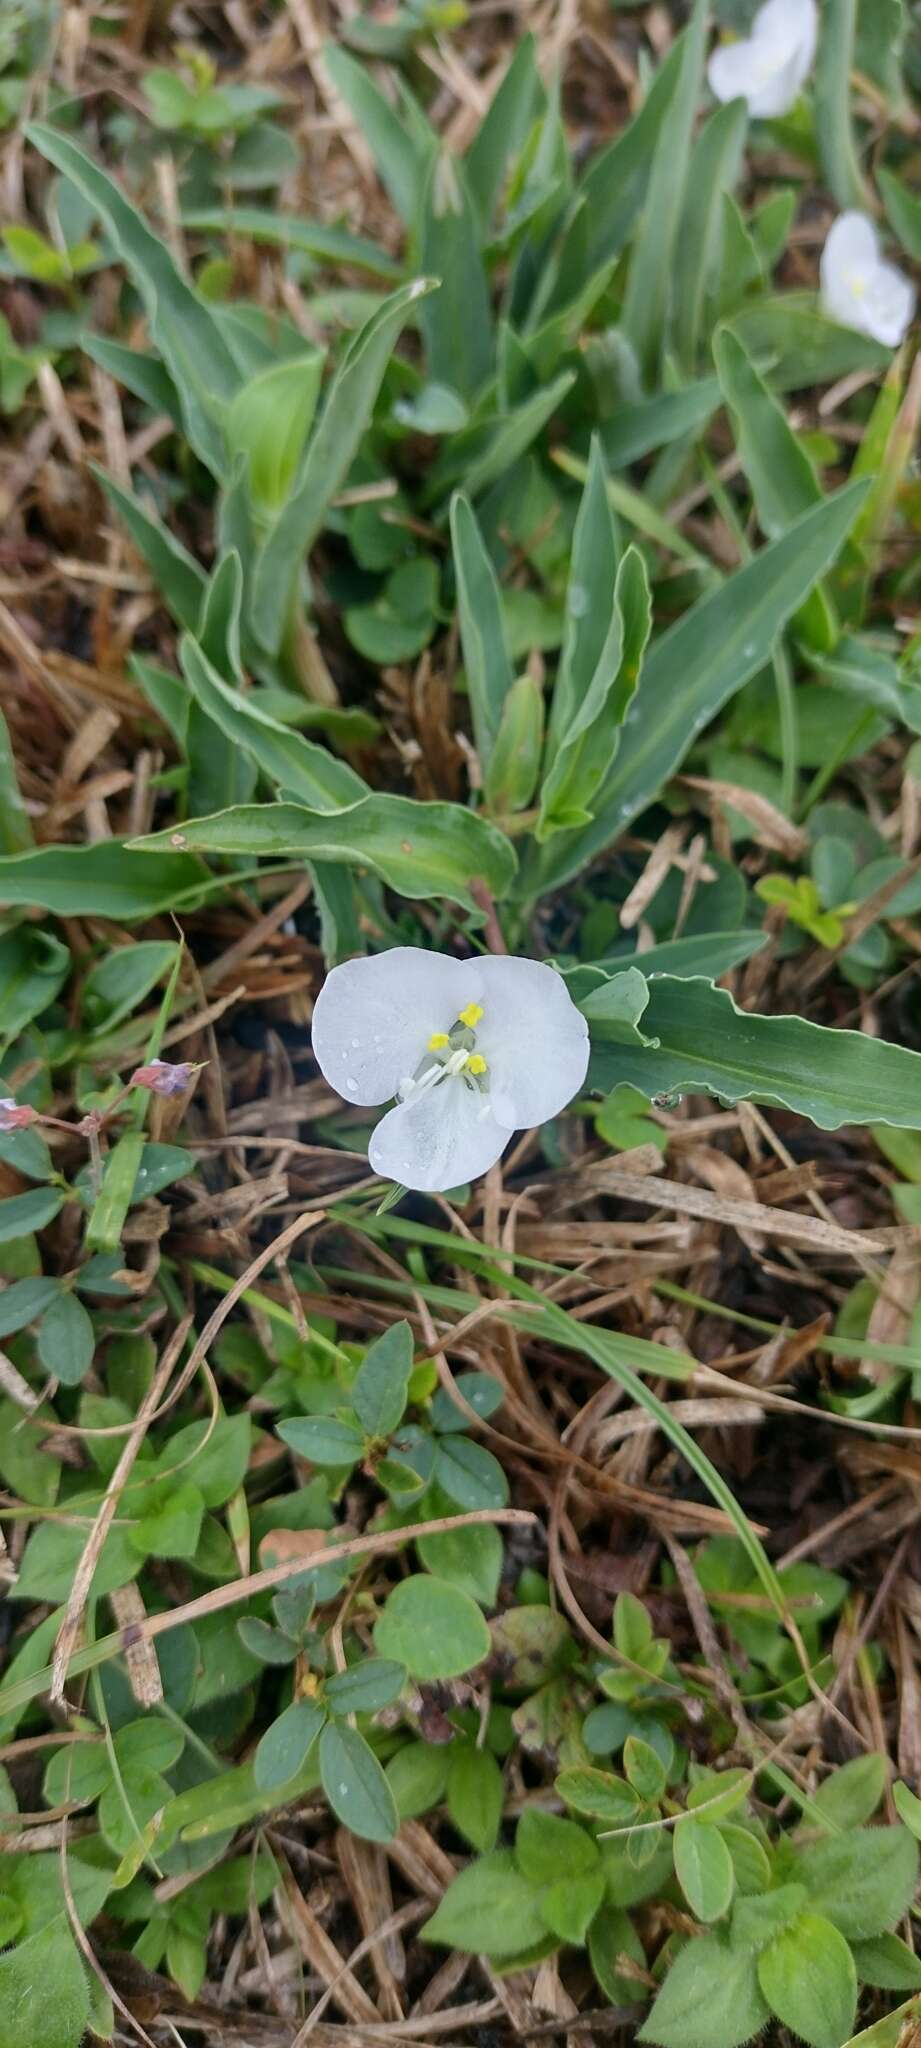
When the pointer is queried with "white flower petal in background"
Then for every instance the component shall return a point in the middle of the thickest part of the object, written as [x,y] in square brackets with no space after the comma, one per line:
[859,288]
[474,1050]
[444,1138]
[533,1038]
[372,1017]
[769,67]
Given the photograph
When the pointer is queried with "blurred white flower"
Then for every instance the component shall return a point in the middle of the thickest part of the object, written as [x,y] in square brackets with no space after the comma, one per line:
[769,67]
[859,287]
[472,1049]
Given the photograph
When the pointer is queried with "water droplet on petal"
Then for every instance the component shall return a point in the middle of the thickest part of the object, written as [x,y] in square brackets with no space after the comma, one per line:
[352,1086]
[355,1044]
[750,650]
[578,600]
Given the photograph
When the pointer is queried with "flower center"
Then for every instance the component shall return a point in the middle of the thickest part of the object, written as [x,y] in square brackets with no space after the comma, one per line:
[858,281]
[450,1055]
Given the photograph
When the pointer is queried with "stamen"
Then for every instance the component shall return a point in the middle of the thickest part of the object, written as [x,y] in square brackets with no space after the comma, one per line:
[437,1040]
[471,1016]
[476,1063]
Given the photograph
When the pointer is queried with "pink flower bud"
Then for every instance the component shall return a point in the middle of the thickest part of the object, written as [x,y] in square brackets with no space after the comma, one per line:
[164,1078]
[15,1116]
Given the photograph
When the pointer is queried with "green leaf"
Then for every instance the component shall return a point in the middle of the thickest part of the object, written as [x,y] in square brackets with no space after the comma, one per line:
[431,1627]
[44,1993]
[808,1977]
[504,127]
[182,326]
[21,1214]
[30,1471]
[713,170]
[600,696]
[612,1936]
[66,1340]
[515,760]
[644,1768]
[469,1474]
[355,1784]
[419,849]
[757,1921]
[323,1439]
[379,1390]
[116,984]
[862,1881]
[315,238]
[417,1776]
[33,966]
[456,322]
[475,1794]
[366,1687]
[179,579]
[569,1906]
[469,1558]
[299,767]
[645,311]
[697,665]
[172,1526]
[283,1748]
[547,1847]
[794,345]
[265,1643]
[479,604]
[531,1644]
[887,1961]
[400,161]
[333,446]
[599,1795]
[908,1807]
[833,124]
[490,1909]
[53,1553]
[268,424]
[104,879]
[699,1040]
[213,1453]
[710,1999]
[703,1867]
[852,1794]
[904,211]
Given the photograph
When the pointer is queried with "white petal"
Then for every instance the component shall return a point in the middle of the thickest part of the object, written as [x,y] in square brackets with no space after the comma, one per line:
[858,287]
[439,1139]
[890,305]
[792,26]
[769,67]
[373,1018]
[534,1040]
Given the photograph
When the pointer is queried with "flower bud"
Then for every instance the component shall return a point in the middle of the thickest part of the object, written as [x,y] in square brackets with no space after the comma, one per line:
[163,1077]
[15,1116]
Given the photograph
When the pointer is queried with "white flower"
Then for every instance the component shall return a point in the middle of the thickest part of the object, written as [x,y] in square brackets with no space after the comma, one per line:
[859,287]
[472,1049]
[768,68]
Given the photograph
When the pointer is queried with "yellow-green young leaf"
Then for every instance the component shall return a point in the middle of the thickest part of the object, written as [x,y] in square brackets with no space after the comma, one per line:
[515,759]
[547,1847]
[417,1777]
[808,1977]
[268,424]
[598,1794]
[569,1906]
[44,1993]
[887,1961]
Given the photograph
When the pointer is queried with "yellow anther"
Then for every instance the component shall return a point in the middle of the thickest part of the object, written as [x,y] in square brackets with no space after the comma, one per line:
[471,1016]
[476,1063]
[437,1040]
